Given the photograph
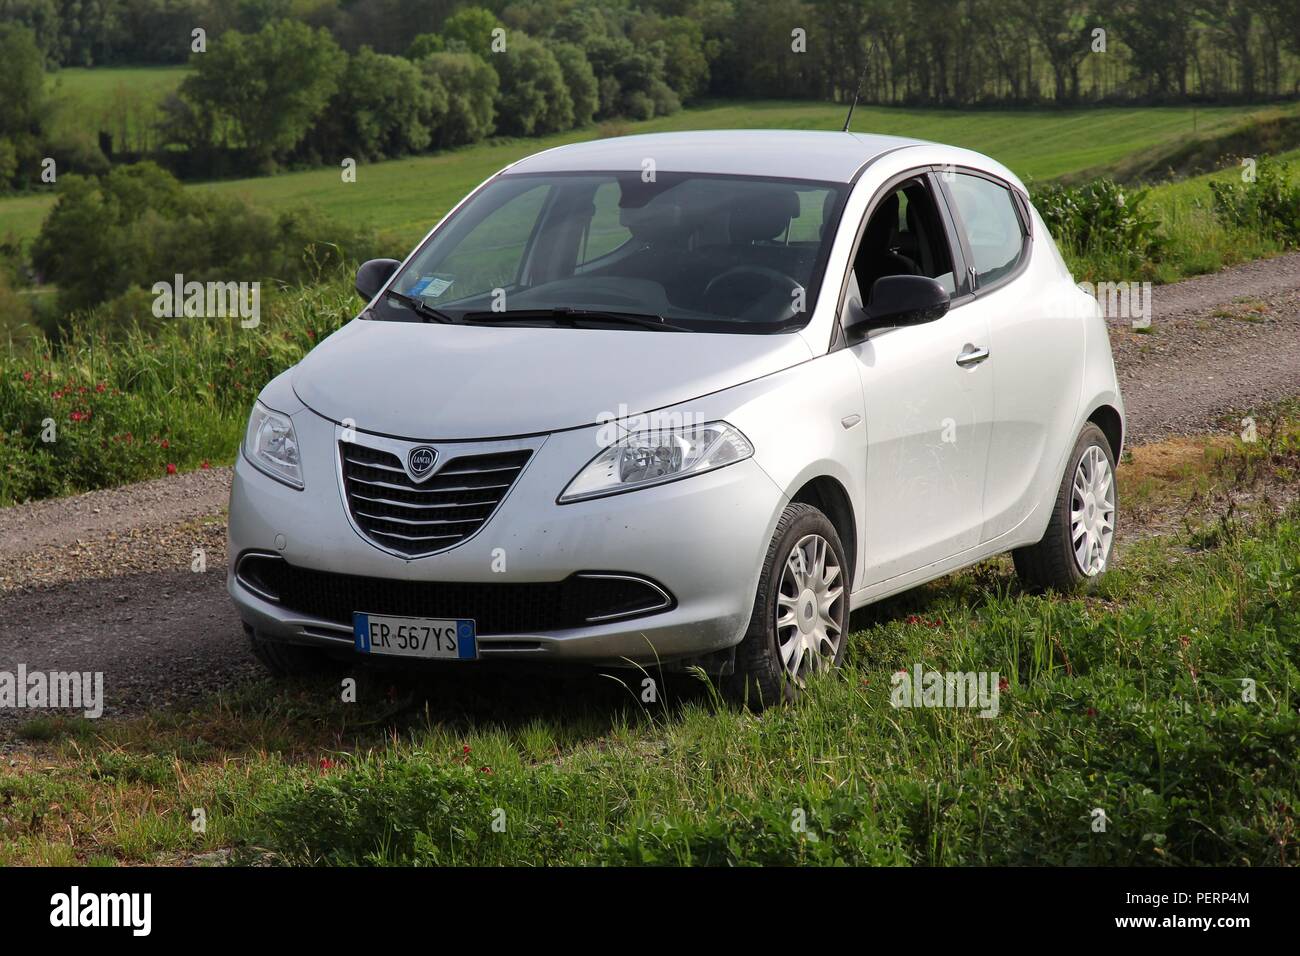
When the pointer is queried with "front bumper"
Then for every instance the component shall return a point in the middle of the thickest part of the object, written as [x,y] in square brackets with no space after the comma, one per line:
[702,539]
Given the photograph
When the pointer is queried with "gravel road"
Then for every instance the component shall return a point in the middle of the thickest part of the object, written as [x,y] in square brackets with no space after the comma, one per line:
[106,581]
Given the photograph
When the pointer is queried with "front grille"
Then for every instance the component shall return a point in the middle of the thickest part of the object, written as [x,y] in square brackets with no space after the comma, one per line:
[418,518]
[496,608]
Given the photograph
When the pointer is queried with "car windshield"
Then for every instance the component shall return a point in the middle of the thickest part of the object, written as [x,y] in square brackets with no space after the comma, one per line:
[690,251]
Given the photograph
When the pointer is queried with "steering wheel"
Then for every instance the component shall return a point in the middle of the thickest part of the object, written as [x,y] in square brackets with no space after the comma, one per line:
[736,289]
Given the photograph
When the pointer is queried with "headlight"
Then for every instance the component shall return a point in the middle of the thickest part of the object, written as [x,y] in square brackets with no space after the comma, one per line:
[271,445]
[654,457]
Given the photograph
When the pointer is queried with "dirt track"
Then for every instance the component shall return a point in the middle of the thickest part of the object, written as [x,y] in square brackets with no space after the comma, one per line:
[103,581]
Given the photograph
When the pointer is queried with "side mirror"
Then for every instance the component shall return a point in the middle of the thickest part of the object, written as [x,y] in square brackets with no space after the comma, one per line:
[899,300]
[372,275]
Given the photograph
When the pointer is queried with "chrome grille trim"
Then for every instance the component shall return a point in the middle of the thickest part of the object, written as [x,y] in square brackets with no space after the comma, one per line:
[412,518]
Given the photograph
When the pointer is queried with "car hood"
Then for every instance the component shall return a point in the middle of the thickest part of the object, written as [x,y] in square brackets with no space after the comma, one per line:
[446,382]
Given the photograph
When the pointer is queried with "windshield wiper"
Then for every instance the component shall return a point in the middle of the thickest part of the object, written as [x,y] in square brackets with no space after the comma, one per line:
[571,317]
[419,307]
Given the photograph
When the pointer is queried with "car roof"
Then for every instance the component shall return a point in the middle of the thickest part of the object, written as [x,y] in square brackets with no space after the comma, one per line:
[825,156]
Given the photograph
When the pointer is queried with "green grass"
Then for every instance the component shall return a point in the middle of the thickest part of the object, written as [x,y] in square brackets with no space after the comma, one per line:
[407,196]
[1196,242]
[120,101]
[1129,702]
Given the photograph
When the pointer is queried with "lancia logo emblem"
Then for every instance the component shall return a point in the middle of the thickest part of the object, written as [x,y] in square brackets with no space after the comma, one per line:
[420,462]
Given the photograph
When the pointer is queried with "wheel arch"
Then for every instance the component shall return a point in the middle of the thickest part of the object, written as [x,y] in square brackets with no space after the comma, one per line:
[1111,422]
[829,496]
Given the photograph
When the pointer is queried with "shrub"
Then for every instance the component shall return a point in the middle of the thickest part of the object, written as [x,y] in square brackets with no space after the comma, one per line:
[126,401]
[138,226]
[1101,219]
[1270,204]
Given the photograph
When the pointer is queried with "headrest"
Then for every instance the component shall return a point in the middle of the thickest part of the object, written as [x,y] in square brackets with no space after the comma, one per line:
[653,221]
[764,215]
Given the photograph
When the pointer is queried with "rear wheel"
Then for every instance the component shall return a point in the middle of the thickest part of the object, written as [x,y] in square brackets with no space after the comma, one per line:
[1075,551]
[800,612]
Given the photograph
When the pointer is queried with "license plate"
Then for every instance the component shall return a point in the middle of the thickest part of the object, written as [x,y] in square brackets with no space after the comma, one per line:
[428,637]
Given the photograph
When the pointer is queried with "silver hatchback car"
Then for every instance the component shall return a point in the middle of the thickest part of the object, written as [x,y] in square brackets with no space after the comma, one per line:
[682,399]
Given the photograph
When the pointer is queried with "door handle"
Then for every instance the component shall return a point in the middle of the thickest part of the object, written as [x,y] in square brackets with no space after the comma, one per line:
[972,356]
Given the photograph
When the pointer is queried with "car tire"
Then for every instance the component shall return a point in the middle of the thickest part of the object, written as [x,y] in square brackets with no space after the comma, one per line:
[290,660]
[793,614]
[1082,528]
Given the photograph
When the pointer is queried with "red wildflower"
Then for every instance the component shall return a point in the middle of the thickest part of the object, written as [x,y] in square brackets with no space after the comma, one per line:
[171,469]
[1003,684]
[27,376]
[164,444]
[1091,712]
[465,749]
[100,387]
[486,770]
[326,763]
[204,464]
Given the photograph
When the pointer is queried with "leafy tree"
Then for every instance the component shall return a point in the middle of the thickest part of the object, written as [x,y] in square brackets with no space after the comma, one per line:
[580,80]
[22,104]
[1232,21]
[471,28]
[382,108]
[1161,37]
[424,44]
[41,17]
[685,66]
[270,86]
[83,247]
[22,78]
[1058,26]
[533,99]
[470,87]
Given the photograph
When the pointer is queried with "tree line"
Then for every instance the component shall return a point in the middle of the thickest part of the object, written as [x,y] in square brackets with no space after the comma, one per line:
[927,51]
[371,79]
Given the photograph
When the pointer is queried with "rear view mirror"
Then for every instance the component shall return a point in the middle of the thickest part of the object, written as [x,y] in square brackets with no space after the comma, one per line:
[899,300]
[372,275]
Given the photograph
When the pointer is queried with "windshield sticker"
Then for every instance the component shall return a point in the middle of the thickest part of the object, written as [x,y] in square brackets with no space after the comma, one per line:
[430,286]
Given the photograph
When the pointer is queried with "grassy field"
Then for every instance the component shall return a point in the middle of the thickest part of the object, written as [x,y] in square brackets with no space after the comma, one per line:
[405,197]
[120,101]
[1163,706]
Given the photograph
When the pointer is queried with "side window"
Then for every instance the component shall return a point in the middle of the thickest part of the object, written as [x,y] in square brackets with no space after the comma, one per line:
[905,236]
[991,224]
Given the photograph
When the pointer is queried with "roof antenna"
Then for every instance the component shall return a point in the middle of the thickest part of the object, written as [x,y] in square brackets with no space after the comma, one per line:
[858,92]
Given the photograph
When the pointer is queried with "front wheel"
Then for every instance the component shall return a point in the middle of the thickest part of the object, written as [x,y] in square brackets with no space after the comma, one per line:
[801,611]
[1076,549]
